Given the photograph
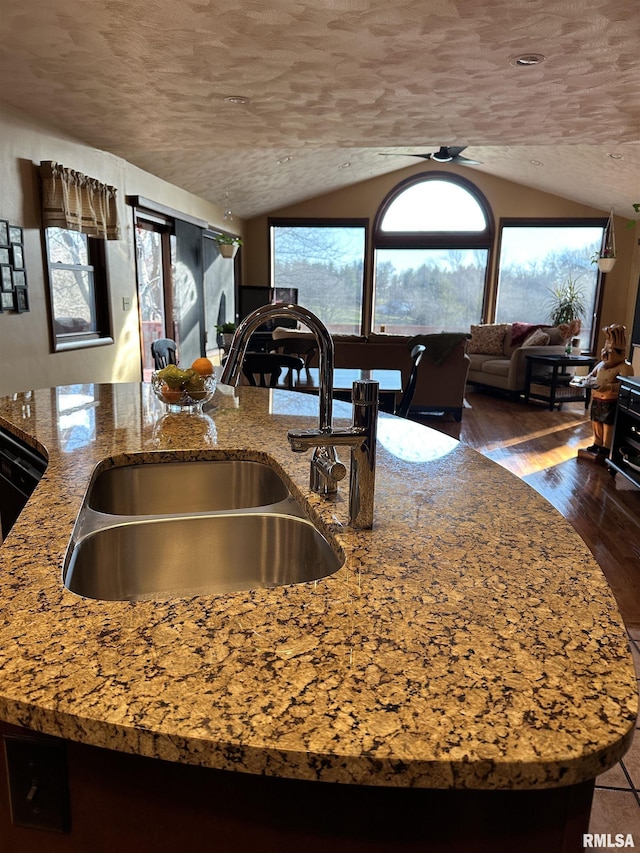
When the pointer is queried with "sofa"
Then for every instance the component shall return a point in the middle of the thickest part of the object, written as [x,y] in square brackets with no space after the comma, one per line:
[441,377]
[498,353]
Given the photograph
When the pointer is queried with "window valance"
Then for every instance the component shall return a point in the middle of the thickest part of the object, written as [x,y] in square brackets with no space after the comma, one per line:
[74,201]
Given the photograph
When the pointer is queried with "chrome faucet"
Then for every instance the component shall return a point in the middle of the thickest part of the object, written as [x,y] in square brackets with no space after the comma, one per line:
[326,468]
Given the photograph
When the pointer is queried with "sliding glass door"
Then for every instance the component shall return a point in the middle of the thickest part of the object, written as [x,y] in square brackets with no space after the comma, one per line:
[155,248]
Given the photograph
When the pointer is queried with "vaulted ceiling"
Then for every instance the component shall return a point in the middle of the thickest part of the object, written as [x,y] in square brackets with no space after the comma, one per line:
[280,101]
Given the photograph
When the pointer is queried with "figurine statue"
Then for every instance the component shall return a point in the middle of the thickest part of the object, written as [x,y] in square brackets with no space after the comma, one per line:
[604,391]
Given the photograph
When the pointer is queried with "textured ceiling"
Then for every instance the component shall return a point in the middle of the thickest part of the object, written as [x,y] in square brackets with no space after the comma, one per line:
[331,82]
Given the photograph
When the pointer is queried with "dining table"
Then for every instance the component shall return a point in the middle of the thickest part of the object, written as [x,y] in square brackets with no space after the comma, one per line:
[389,381]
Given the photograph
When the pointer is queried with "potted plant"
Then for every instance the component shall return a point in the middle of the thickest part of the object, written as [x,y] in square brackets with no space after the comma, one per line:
[567,306]
[225,334]
[228,244]
[606,257]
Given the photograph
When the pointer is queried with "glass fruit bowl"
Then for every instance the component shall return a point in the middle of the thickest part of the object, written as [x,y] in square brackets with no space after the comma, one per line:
[182,390]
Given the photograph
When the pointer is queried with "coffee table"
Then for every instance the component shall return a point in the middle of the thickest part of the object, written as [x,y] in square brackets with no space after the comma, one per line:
[555,384]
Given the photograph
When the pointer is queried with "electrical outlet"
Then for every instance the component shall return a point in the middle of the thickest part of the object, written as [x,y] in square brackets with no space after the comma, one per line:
[38,787]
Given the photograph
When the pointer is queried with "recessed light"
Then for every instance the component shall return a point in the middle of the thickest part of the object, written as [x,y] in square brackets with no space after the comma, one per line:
[526,60]
[536,162]
[615,156]
[344,165]
[237,99]
[282,160]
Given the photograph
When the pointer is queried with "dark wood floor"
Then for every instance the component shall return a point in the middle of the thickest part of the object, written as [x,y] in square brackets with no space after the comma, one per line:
[541,447]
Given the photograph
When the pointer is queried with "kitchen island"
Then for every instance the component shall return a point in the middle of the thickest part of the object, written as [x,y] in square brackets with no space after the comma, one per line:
[467,665]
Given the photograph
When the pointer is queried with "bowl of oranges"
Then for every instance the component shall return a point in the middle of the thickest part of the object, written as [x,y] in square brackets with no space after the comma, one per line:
[185,390]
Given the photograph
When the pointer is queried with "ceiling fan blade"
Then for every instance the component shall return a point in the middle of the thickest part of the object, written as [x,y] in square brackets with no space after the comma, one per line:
[403,154]
[465,161]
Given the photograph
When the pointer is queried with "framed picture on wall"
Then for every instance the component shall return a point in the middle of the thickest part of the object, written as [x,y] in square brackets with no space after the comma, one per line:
[4,255]
[15,234]
[17,258]
[19,278]
[6,301]
[21,300]
[4,232]
[6,280]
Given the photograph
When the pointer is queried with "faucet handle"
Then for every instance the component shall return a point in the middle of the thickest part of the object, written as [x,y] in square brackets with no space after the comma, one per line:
[365,392]
[326,470]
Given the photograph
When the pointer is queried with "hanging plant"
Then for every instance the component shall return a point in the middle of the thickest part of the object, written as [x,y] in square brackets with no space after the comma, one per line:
[606,257]
[228,244]
[631,223]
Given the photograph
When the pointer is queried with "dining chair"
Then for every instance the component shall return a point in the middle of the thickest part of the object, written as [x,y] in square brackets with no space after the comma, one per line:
[305,348]
[164,352]
[407,395]
[257,366]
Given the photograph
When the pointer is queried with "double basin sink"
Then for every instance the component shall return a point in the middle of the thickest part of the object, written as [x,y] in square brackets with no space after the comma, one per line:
[183,528]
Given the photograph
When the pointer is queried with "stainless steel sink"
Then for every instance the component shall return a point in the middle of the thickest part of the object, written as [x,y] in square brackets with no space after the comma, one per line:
[193,555]
[182,487]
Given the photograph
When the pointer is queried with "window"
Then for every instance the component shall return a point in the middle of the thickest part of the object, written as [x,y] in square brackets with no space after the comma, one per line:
[434,205]
[419,291]
[155,266]
[325,262]
[77,289]
[432,240]
[536,257]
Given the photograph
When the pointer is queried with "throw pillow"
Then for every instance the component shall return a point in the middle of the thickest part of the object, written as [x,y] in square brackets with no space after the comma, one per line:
[521,331]
[487,339]
[537,339]
[555,335]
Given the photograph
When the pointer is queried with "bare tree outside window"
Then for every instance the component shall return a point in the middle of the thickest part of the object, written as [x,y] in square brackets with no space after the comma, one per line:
[72,281]
[432,249]
[326,265]
[78,289]
[535,259]
[420,291]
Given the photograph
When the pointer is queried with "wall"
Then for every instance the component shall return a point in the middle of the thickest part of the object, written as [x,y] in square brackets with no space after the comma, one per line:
[26,359]
[506,198]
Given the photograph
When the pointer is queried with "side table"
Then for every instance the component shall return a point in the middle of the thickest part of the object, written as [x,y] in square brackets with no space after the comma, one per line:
[554,385]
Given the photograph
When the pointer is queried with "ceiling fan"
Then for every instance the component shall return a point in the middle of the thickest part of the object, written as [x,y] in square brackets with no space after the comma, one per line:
[446,154]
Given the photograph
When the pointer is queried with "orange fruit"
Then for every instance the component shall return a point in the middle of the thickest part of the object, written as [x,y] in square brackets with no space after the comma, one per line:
[170,395]
[203,366]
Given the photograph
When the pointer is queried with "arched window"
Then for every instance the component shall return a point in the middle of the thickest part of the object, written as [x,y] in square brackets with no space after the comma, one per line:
[432,237]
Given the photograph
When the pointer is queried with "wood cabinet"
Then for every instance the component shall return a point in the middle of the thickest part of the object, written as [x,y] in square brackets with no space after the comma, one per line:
[625,447]
[133,804]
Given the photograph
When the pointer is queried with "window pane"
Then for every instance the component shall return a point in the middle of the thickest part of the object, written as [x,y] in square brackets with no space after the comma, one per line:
[73,301]
[78,288]
[326,264]
[535,259]
[420,291]
[68,247]
[150,273]
[434,206]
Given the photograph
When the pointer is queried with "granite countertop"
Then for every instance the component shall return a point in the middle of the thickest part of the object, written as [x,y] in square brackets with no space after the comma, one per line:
[469,641]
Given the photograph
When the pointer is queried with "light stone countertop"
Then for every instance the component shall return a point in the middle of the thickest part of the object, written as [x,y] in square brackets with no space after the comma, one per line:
[469,641]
